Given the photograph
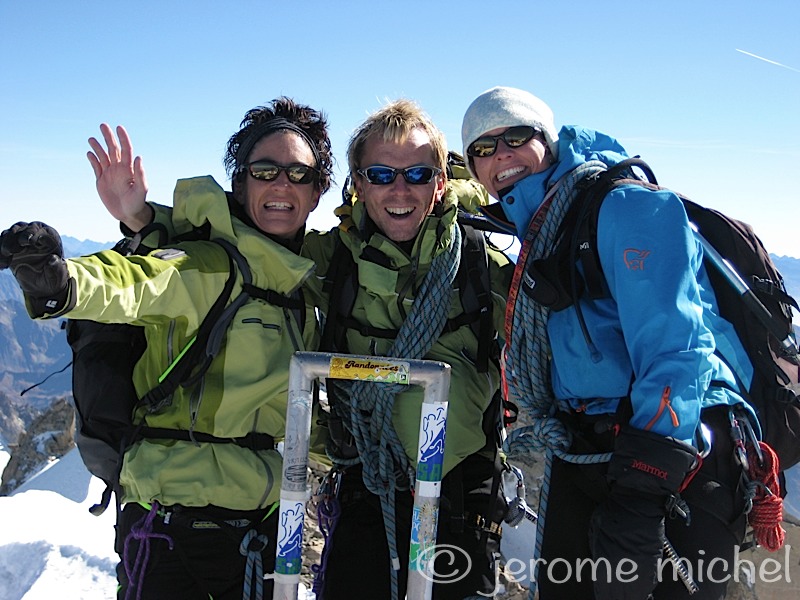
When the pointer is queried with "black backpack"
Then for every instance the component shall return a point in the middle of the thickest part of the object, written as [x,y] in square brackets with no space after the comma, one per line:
[749,290]
[104,356]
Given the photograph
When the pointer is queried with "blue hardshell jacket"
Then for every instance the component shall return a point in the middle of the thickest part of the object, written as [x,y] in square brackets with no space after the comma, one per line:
[659,332]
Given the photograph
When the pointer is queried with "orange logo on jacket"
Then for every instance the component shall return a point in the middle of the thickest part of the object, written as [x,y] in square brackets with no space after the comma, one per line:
[634,259]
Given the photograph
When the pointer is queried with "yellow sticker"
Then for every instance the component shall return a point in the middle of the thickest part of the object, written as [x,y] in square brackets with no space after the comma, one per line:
[370,370]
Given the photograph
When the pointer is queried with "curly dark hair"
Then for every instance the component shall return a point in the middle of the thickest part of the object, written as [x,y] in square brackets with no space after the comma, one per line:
[312,122]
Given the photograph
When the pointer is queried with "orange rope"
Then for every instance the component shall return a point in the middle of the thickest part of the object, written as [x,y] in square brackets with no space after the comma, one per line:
[767,513]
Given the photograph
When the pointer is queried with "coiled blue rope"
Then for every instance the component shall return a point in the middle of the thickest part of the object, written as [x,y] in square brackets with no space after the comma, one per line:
[527,356]
[369,410]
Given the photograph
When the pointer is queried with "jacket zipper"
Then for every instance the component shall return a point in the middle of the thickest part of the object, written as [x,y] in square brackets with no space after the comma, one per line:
[665,403]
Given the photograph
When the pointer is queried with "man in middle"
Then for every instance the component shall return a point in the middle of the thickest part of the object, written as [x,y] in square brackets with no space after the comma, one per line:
[401,296]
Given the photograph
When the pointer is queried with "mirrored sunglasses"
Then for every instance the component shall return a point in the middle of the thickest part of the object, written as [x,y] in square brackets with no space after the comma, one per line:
[269,171]
[514,137]
[383,175]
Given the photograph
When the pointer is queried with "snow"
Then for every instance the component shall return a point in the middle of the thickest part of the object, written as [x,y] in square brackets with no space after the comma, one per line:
[4,456]
[50,545]
[41,440]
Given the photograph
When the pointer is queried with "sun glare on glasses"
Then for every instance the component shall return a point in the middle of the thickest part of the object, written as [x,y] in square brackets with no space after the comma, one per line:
[514,137]
[269,171]
[383,175]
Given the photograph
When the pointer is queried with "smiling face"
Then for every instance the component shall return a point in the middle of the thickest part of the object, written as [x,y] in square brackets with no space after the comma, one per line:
[509,165]
[280,207]
[399,208]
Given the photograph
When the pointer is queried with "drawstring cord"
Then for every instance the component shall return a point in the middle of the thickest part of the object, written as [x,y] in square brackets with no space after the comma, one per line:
[142,531]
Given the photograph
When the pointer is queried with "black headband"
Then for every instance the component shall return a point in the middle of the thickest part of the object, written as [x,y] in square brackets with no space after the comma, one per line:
[268,127]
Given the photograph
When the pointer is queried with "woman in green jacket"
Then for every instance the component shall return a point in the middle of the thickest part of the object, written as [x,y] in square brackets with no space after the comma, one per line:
[204,513]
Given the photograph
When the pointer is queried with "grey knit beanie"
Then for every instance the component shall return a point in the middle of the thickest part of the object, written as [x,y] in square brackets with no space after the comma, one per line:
[507,107]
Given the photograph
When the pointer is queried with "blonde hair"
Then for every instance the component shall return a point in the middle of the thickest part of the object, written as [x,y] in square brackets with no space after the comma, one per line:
[394,122]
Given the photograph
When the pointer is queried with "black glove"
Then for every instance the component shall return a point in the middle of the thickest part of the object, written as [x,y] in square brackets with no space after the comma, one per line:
[645,471]
[34,253]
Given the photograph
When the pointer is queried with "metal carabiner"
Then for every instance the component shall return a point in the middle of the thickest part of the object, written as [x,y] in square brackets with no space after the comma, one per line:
[751,434]
[737,436]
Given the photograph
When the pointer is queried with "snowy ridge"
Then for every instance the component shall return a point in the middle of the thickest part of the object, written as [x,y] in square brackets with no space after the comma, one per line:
[50,545]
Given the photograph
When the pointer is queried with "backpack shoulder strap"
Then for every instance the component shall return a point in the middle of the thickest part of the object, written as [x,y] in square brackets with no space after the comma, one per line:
[476,294]
[583,242]
[179,371]
[341,285]
[195,359]
[554,280]
[134,244]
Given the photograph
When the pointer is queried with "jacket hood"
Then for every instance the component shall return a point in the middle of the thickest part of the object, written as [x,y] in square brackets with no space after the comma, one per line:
[576,145]
[201,200]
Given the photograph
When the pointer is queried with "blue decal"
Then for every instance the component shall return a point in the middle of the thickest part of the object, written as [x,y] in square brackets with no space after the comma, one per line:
[433,428]
[290,544]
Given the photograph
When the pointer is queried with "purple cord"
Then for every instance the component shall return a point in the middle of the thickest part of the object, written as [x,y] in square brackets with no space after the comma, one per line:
[142,531]
[328,512]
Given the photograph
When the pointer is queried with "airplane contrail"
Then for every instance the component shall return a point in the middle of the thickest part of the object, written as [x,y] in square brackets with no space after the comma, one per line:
[772,62]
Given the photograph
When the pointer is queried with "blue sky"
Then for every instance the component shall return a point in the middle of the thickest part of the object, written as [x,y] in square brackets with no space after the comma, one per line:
[707,92]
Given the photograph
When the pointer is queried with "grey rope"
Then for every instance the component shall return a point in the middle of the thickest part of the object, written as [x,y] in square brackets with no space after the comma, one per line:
[251,547]
[369,410]
[527,356]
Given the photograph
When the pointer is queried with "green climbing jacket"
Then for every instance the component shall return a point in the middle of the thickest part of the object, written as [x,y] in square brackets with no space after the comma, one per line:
[245,389]
[384,289]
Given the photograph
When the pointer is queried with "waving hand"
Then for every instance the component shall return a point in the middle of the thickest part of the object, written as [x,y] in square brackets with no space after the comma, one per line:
[121,181]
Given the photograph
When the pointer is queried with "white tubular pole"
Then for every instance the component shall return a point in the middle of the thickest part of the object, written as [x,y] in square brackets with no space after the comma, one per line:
[288,559]
[304,369]
[427,489]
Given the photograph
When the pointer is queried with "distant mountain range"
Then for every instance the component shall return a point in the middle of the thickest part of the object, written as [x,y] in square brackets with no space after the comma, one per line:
[790,269]
[31,350]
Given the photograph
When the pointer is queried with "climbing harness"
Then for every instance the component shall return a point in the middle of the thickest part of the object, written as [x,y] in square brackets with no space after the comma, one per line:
[251,545]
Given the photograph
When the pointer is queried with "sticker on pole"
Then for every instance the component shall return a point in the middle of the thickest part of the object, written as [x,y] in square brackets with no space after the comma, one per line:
[290,538]
[423,537]
[430,457]
[379,371]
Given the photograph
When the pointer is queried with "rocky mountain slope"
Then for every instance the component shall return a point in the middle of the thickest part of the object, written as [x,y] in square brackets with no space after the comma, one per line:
[30,352]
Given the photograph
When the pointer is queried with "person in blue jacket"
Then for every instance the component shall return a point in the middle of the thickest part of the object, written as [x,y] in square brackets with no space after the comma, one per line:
[637,410]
